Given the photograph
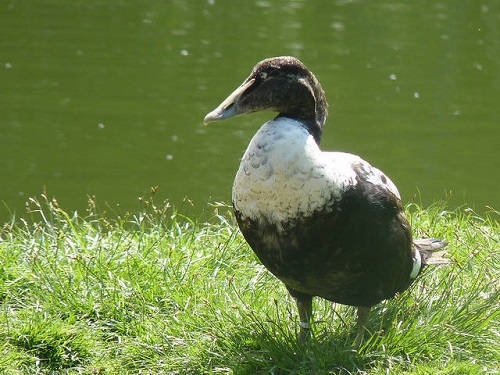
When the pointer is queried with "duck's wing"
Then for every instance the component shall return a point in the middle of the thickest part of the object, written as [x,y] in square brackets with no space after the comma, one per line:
[353,170]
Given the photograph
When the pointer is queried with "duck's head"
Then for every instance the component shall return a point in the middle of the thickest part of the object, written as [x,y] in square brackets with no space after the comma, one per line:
[282,84]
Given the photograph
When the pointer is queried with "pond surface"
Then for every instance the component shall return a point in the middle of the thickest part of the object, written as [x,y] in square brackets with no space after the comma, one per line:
[107,98]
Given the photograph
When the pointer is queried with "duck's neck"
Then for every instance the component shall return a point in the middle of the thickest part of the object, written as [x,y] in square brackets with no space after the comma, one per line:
[306,102]
[313,125]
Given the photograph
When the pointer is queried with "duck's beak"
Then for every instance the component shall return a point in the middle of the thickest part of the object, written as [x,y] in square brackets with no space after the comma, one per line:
[229,107]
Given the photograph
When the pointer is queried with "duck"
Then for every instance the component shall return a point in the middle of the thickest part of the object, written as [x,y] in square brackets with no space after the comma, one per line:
[327,224]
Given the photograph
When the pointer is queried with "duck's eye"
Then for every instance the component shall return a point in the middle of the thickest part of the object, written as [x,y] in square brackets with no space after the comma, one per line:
[263,75]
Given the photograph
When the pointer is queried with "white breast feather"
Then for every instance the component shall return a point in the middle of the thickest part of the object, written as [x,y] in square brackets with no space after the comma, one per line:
[283,174]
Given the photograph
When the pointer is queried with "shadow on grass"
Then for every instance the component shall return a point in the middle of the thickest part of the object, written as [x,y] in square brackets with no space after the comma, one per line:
[270,346]
[266,352]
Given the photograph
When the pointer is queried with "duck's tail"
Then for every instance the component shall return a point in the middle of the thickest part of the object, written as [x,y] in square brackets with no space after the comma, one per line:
[427,251]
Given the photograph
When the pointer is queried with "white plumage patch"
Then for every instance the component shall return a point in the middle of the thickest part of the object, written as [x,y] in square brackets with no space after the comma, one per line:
[417,264]
[284,175]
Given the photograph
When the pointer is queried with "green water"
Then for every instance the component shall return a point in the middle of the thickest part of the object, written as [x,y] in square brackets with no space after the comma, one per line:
[107,98]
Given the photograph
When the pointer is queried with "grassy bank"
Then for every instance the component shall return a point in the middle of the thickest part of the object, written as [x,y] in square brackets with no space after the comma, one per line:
[158,293]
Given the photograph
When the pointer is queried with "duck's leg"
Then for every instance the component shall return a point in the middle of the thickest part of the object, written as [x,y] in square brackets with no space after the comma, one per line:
[304,307]
[363,313]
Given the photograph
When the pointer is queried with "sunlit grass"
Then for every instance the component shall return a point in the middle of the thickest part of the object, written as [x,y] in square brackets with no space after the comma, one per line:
[160,293]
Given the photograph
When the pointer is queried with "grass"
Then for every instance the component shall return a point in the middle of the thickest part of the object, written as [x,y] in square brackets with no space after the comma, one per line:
[160,293]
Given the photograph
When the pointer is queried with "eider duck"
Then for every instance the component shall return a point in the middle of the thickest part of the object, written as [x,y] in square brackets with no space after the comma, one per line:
[326,224]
